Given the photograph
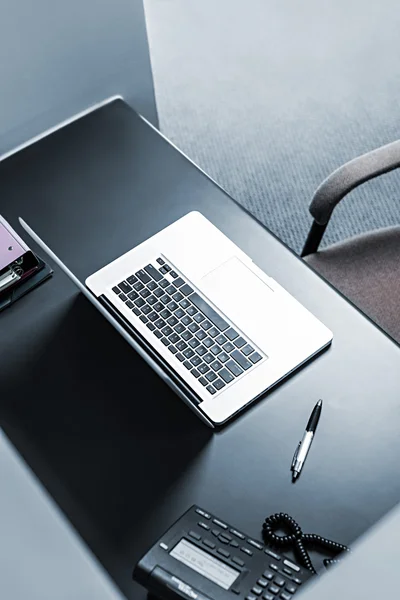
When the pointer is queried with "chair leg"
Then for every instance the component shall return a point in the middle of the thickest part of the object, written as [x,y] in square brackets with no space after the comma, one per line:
[313,239]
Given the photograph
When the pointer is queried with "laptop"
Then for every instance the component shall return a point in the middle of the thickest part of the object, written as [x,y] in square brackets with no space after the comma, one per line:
[218,329]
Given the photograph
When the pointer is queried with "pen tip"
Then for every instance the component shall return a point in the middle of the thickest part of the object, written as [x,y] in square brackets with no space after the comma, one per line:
[295,475]
[319,403]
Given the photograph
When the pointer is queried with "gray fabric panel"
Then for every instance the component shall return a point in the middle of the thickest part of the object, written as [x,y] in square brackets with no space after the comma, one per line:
[366,269]
[350,175]
[271,96]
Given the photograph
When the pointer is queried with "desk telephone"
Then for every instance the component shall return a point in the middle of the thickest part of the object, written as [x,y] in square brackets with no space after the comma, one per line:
[202,557]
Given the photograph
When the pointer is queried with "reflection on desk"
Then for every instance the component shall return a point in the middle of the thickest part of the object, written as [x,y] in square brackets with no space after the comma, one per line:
[41,556]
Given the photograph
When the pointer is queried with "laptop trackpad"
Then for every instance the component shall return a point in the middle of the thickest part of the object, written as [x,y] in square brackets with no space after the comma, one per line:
[244,298]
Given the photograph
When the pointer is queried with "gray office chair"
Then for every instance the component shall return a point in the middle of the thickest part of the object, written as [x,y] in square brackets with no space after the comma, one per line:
[365,268]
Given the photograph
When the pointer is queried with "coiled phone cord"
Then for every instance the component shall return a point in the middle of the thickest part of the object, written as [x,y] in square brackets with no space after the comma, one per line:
[297,540]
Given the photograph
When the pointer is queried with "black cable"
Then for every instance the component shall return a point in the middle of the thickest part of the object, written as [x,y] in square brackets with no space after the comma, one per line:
[298,540]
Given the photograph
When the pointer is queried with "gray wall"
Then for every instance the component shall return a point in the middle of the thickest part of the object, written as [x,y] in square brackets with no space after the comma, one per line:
[57,57]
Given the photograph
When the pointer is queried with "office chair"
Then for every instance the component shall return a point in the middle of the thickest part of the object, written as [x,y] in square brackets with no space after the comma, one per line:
[365,268]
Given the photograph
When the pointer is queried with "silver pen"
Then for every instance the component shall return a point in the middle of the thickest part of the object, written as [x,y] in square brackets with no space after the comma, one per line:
[304,446]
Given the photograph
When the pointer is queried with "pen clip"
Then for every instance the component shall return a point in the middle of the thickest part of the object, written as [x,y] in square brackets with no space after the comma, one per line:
[295,456]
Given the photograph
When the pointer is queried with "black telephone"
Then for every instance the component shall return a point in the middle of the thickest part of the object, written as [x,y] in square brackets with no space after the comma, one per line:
[201,557]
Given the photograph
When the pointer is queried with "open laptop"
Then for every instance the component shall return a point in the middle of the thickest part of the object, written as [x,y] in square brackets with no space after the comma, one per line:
[206,318]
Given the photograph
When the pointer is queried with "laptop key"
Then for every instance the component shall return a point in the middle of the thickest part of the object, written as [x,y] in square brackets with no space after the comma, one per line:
[184,303]
[180,357]
[143,319]
[152,286]
[129,304]
[193,327]
[234,368]
[213,332]
[199,317]
[196,360]
[124,287]
[158,292]
[188,353]
[158,306]
[165,341]
[226,376]
[116,290]
[194,343]
[179,313]
[160,323]
[174,274]
[140,302]
[165,314]
[221,339]
[152,271]
[203,381]
[186,335]
[170,290]
[179,328]
[200,334]
[146,309]
[153,316]
[216,349]
[203,368]
[167,330]
[219,384]
[211,376]
[172,321]
[201,350]
[163,283]
[231,334]
[151,300]
[181,346]
[206,324]
[178,282]
[191,310]
[133,295]
[177,296]
[195,373]
[208,358]
[208,342]
[239,342]
[163,269]
[242,360]
[223,357]
[165,299]
[132,279]
[174,338]
[143,276]
[186,320]
[123,297]
[157,333]
[216,365]
[172,306]
[138,286]
[210,313]
[210,389]
[172,349]
[136,311]
[186,290]
[145,293]
[160,261]
[228,347]
[150,326]
[255,357]
[187,365]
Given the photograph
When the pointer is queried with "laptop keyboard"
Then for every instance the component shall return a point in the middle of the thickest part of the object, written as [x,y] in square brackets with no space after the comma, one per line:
[211,349]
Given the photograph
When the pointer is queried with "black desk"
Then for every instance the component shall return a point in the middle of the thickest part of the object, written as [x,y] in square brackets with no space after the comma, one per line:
[120,453]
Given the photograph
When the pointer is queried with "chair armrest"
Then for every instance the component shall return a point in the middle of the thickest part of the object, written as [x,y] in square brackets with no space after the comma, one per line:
[351,175]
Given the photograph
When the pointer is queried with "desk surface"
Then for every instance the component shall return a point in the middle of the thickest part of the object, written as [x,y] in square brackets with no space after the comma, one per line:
[119,452]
